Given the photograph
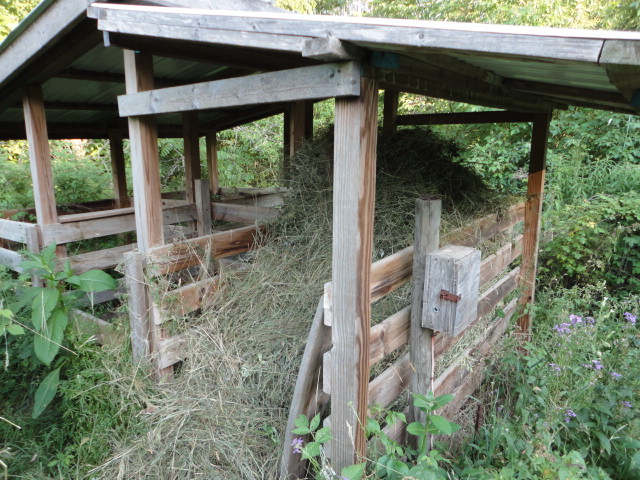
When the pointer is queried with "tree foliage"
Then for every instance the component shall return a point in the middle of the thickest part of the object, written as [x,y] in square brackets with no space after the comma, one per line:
[12,12]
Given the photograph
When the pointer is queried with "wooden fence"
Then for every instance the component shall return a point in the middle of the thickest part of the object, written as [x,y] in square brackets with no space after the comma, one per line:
[314,384]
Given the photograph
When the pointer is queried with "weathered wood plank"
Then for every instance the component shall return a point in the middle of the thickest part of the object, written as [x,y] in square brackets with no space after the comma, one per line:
[103,332]
[100,259]
[321,81]
[267,200]
[353,199]
[496,263]
[100,227]
[145,162]
[191,141]
[389,335]
[532,215]
[426,241]
[10,259]
[138,301]
[331,49]
[118,173]
[15,231]
[203,207]
[178,256]
[485,228]
[464,118]
[211,140]
[171,350]
[390,273]
[189,298]
[242,213]
[80,217]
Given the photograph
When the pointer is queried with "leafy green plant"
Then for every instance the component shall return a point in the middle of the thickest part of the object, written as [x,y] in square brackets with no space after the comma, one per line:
[49,311]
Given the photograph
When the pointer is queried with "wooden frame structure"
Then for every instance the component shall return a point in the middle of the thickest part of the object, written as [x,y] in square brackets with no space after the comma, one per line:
[149,71]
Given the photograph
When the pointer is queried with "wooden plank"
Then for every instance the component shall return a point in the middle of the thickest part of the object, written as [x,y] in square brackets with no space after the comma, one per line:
[203,207]
[10,259]
[496,263]
[464,118]
[331,49]
[138,302]
[178,256]
[171,351]
[353,199]
[189,298]
[100,259]
[389,335]
[321,81]
[532,215]
[100,227]
[191,154]
[103,332]
[81,217]
[295,131]
[242,213]
[486,227]
[426,241]
[15,231]
[145,163]
[234,192]
[116,149]
[211,139]
[39,155]
[390,115]
[306,394]
[268,200]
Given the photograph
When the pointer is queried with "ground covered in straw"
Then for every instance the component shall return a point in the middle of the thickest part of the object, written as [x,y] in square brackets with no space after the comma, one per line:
[225,413]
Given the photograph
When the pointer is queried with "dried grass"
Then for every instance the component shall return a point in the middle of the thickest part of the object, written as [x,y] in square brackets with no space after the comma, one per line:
[224,415]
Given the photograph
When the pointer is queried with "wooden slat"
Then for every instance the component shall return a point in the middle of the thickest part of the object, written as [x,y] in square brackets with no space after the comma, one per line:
[330,49]
[464,118]
[10,259]
[390,273]
[15,231]
[485,228]
[322,81]
[80,217]
[100,259]
[138,301]
[496,263]
[389,335]
[178,256]
[171,351]
[242,213]
[189,298]
[233,192]
[353,195]
[267,200]
[103,332]
[100,227]
[532,215]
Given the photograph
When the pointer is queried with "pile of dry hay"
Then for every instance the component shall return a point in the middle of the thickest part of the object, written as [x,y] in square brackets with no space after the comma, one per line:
[225,413]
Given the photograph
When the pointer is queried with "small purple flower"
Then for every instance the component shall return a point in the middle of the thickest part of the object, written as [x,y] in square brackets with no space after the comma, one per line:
[575,319]
[563,328]
[597,364]
[626,404]
[297,444]
[591,320]
[555,367]
[568,415]
[629,317]
[615,375]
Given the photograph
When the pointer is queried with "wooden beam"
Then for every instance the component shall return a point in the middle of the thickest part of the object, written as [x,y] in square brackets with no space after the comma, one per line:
[211,139]
[464,118]
[227,212]
[426,241]
[532,214]
[10,259]
[145,162]
[118,171]
[39,155]
[321,81]
[14,230]
[331,49]
[390,116]
[192,169]
[356,128]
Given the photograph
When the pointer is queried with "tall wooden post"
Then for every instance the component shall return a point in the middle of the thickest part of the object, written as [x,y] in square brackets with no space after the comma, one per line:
[356,126]
[39,155]
[118,171]
[294,133]
[390,112]
[427,240]
[211,139]
[532,213]
[192,169]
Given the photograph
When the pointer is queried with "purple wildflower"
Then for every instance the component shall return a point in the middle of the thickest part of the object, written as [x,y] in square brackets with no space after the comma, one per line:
[569,414]
[626,404]
[591,320]
[297,445]
[615,375]
[563,328]
[575,319]
[597,364]
[555,367]
[630,317]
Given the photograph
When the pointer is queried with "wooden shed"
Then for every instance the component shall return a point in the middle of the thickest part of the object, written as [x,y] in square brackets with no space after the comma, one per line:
[148,69]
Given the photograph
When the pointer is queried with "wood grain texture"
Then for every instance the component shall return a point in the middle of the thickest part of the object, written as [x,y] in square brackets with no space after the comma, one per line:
[188,298]
[306,393]
[353,200]
[203,207]
[15,231]
[331,49]
[211,139]
[486,227]
[191,143]
[321,81]
[242,213]
[138,302]
[100,259]
[145,163]
[426,241]
[532,214]
[10,259]
[39,155]
[496,263]
[118,172]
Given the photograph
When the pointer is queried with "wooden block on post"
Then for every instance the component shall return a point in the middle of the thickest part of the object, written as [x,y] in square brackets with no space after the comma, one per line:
[451,289]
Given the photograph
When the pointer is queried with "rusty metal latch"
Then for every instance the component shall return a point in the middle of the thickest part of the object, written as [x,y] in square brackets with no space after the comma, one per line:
[452,297]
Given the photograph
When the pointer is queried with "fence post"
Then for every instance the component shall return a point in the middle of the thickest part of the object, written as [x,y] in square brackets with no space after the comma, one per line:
[427,240]
[138,305]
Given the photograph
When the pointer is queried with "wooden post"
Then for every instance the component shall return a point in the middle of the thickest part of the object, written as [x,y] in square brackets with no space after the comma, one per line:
[40,158]
[356,128]
[212,162]
[427,240]
[192,169]
[390,112]
[138,305]
[532,213]
[118,171]
[203,207]
[294,132]
[143,135]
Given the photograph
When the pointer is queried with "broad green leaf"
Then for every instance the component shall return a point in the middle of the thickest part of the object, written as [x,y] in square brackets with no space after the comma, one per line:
[15,329]
[44,301]
[47,344]
[441,423]
[45,392]
[353,472]
[6,313]
[323,435]
[372,427]
[604,442]
[302,421]
[442,400]
[422,402]
[311,449]
[95,281]
[315,422]
[416,428]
